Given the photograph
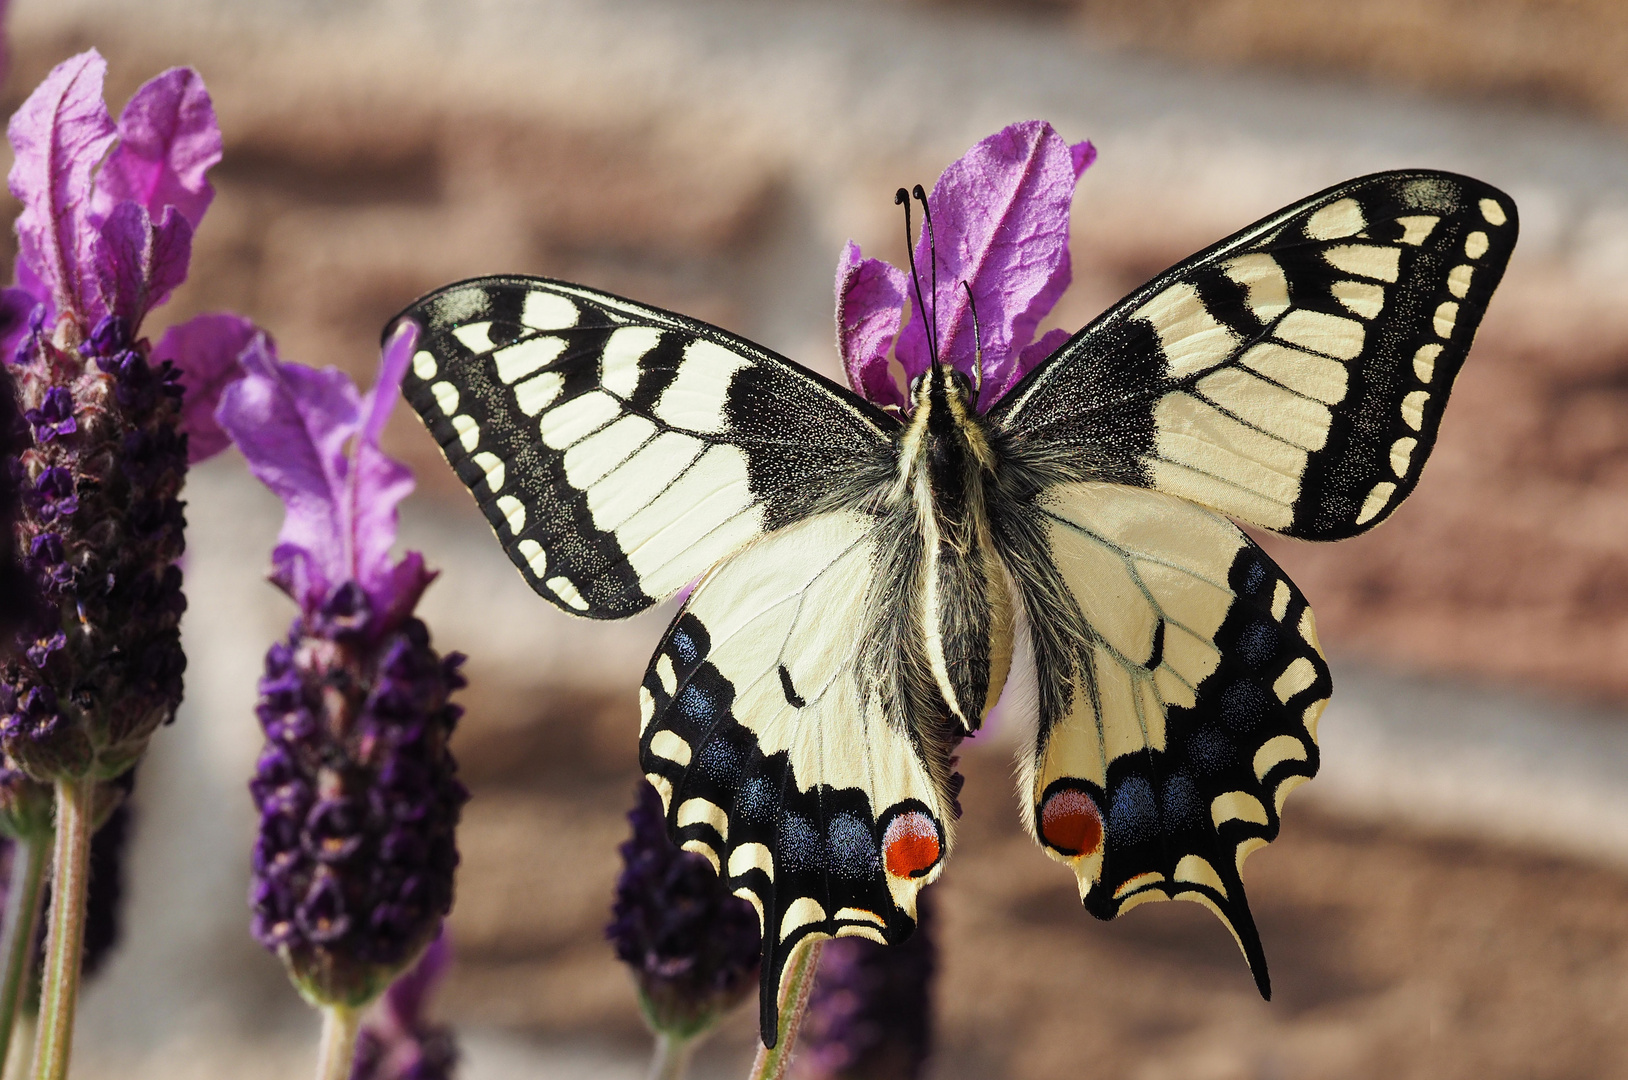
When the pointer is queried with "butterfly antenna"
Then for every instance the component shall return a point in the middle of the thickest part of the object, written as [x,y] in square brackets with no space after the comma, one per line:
[932,256]
[977,345]
[902,198]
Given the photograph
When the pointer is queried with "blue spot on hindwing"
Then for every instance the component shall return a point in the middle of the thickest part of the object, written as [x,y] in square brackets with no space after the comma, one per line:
[800,846]
[1183,807]
[1257,644]
[756,801]
[1210,751]
[1244,705]
[1133,816]
[720,761]
[852,848]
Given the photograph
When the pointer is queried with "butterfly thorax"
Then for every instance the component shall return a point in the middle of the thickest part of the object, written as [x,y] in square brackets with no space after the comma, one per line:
[945,462]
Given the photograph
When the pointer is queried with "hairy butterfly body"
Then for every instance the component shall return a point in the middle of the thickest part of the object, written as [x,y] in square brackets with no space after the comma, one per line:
[863,571]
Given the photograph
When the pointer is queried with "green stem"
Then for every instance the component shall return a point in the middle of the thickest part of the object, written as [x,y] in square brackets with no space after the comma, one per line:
[794,991]
[340,1023]
[28,857]
[70,875]
[672,1060]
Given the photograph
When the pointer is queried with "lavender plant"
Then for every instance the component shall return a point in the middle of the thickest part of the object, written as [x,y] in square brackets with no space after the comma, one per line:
[356,788]
[691,946]
[111,424]
[398,1042]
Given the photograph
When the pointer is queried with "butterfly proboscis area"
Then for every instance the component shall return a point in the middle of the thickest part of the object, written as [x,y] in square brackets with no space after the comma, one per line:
[862,572]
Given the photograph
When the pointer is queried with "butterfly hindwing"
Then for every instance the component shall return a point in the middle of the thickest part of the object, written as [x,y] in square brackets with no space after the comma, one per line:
[617,450]
[1293,375]
[1179,687]
[775,757]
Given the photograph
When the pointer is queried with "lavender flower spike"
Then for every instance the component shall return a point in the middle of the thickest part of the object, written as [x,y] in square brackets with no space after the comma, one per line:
[357,791]
[691,945]
[104,236]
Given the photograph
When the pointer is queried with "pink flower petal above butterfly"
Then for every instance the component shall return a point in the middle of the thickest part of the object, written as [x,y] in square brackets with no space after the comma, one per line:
[1000,223]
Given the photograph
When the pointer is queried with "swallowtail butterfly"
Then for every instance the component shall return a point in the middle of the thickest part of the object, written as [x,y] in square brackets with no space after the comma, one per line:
[863,573]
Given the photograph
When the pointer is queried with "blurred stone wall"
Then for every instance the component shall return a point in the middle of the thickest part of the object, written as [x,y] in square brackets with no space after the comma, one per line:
[713,157]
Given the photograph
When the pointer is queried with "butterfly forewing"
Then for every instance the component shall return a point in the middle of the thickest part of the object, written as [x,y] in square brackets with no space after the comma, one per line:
[1293,375]
[1180,683]
[775,756]
[617,450]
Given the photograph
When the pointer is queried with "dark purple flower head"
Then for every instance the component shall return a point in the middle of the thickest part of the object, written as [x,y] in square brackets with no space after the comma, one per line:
[104,236]
[311,438]
[357,792]
[1000,217]
[870,1015]
[691,945]
[398,1042]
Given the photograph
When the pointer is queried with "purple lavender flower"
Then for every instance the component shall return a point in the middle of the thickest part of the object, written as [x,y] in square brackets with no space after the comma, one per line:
[692,946]
[357,791]
[1001,217]
[398,1042]
[870,1015]
[104,236]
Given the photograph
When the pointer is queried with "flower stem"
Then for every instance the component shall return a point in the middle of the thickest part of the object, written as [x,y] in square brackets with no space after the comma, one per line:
[794,991]
[340,1023]
[672,1060]
[28,857]
[70,875]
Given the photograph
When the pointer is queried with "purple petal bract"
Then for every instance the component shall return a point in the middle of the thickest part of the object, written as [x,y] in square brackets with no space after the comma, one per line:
[870,308]
[1000,217]
[59,136]
[205,350]
[168,141]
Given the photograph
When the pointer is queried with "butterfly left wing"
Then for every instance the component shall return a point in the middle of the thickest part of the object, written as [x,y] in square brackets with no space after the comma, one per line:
[772,731]
[1179,687]
[618,450]
[1293,375]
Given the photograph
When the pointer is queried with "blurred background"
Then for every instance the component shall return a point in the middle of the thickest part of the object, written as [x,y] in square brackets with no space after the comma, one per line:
[1450,897]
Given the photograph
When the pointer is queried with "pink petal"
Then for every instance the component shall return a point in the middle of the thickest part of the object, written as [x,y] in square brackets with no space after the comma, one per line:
[378,483]
[205,350]
[136,265]
[59,136]
[870,307]
[168,141]
[292,424]
[1030,358]
[16,306]
[1000,216]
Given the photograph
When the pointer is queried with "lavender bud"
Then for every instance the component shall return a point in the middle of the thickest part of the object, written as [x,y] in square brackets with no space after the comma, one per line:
[693,947]
[870,1014]
[358,799]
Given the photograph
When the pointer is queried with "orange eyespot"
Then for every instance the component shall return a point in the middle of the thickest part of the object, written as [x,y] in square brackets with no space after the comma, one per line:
[1071,822]
[910,845]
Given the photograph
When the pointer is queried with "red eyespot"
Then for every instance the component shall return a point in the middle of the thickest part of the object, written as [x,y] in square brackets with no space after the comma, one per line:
[1071,822]
[910,845]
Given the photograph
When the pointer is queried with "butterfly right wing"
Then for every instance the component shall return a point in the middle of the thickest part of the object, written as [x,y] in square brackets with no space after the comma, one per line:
[772,730]
[618,450]
[1294,374]
[1179,687]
